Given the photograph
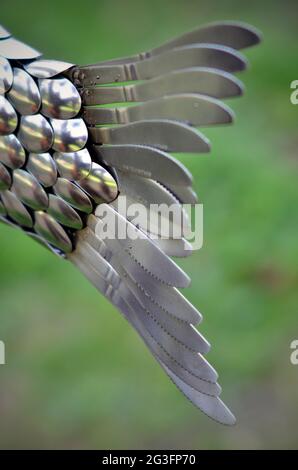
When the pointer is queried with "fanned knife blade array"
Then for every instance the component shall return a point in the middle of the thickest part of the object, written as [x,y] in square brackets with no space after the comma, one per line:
[72,138]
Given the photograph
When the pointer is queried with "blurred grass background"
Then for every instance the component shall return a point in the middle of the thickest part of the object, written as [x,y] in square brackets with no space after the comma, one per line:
[77,376]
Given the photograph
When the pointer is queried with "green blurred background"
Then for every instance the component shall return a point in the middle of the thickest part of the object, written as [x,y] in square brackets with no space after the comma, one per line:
[77,376]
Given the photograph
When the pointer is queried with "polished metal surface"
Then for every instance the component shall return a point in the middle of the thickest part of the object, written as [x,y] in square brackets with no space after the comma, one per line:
[73,165]
[64,213]
[60,98]
[210,405]
[6,75]
[165,135]
[228,33]
[203,55]
[190,366]
[70,135]
[15,50]
[16,210]
[100,184]
[175,86]
[123,298]
[4,33]
[184,194]
[35,133]
[29,191]
[48,228]
[236,35]
[8,117]
[43,167]
[5,178]
[166,297]
[45,244]
[2,209]
[24,94]
[200,80]
[47,68]
[179,248]
[148,192]
[158,327]
[196,110]
[12,153]
[144,161]
[72,194]
[7,221]
[144,251]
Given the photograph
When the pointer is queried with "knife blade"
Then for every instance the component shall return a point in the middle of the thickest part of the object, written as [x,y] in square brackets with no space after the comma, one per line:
[211,406]
[113,272]
[186,195]
[201,80]
[141,249]
[192,366]
[167,297]
[163,215]
[176,248]
[164,135]
[233,34]
[205,55]
[144,161]
[197,110]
